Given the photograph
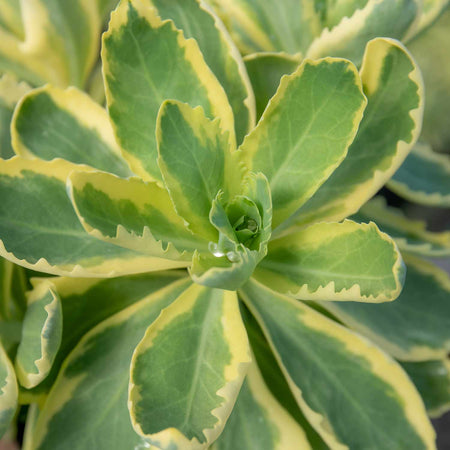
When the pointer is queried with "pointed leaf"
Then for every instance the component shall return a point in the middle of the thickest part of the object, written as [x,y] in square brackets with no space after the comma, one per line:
[388,131]
[416,326]
[8,392]
[305,132]
[195,162]
[198,21]
[285,25]
[334,261]
[410,235]
[60,45]
[431,10]
[430,51]
[432,379]
[41,336]
[146,61]
[200,348]
[351,373]
[86,302]
[265,71]
[54,123]
[40,230]
[131,213]
[347,39]
[423,178]
[10,93]
[259,422]
[94,378]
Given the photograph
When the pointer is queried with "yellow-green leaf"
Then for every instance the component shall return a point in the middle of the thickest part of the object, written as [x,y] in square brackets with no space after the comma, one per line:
[8,392]
[41,336]
[146,60]
[200,349]
[348,375]
[318,107]
[334,261]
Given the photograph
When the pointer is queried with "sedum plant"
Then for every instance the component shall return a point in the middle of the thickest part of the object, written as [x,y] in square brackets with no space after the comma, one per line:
[125,348]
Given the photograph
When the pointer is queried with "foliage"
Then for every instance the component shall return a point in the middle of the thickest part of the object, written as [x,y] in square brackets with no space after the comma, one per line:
[206,274]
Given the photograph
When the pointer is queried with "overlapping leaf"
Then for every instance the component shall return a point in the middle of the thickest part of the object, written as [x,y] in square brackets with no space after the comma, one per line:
[334,261]
[92,389]
[147,60]
[8,391]
[187,370]
[305,132]
[351,374]
[388,131]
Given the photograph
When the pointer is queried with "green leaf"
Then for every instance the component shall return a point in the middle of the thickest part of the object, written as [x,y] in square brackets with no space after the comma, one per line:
[60,44]
[244,229]
[146,61]
[334,261]
[8,392]
[410,235]
[388,131]
[195,162]
[432,379]
[348,38]
[12,295]
[265,71]
[348,374]
[264,26]
[86,302]
[132,213]
[40,230]
[94,378]
[197,20]
[416,326]
[41,336]
[10,93]
[259,422]
[423,178]
[319,106]
[54,123]
[200,348]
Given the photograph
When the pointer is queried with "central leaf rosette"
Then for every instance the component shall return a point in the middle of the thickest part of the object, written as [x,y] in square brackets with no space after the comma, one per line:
[225,205]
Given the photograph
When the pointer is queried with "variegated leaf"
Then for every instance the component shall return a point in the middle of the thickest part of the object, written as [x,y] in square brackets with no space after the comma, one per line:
[334,261]
[41,336]
[416,326]
[94,378]
[200,349]
[350,372]
[305,132]
[146,60]
[265,71]
[259,422]
[411,235]
[368,20]
[10,93]
[86,302]
[431,10]
[8,391]
[40,230]
[54,123]
[388,131]
[59,43]
[432,379]
[11,17]
[423,178]
[132,213]
[196,162]
[266,26]
[198,21]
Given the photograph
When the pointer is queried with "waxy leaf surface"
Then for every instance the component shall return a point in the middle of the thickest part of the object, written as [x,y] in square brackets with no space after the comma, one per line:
[351,374]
